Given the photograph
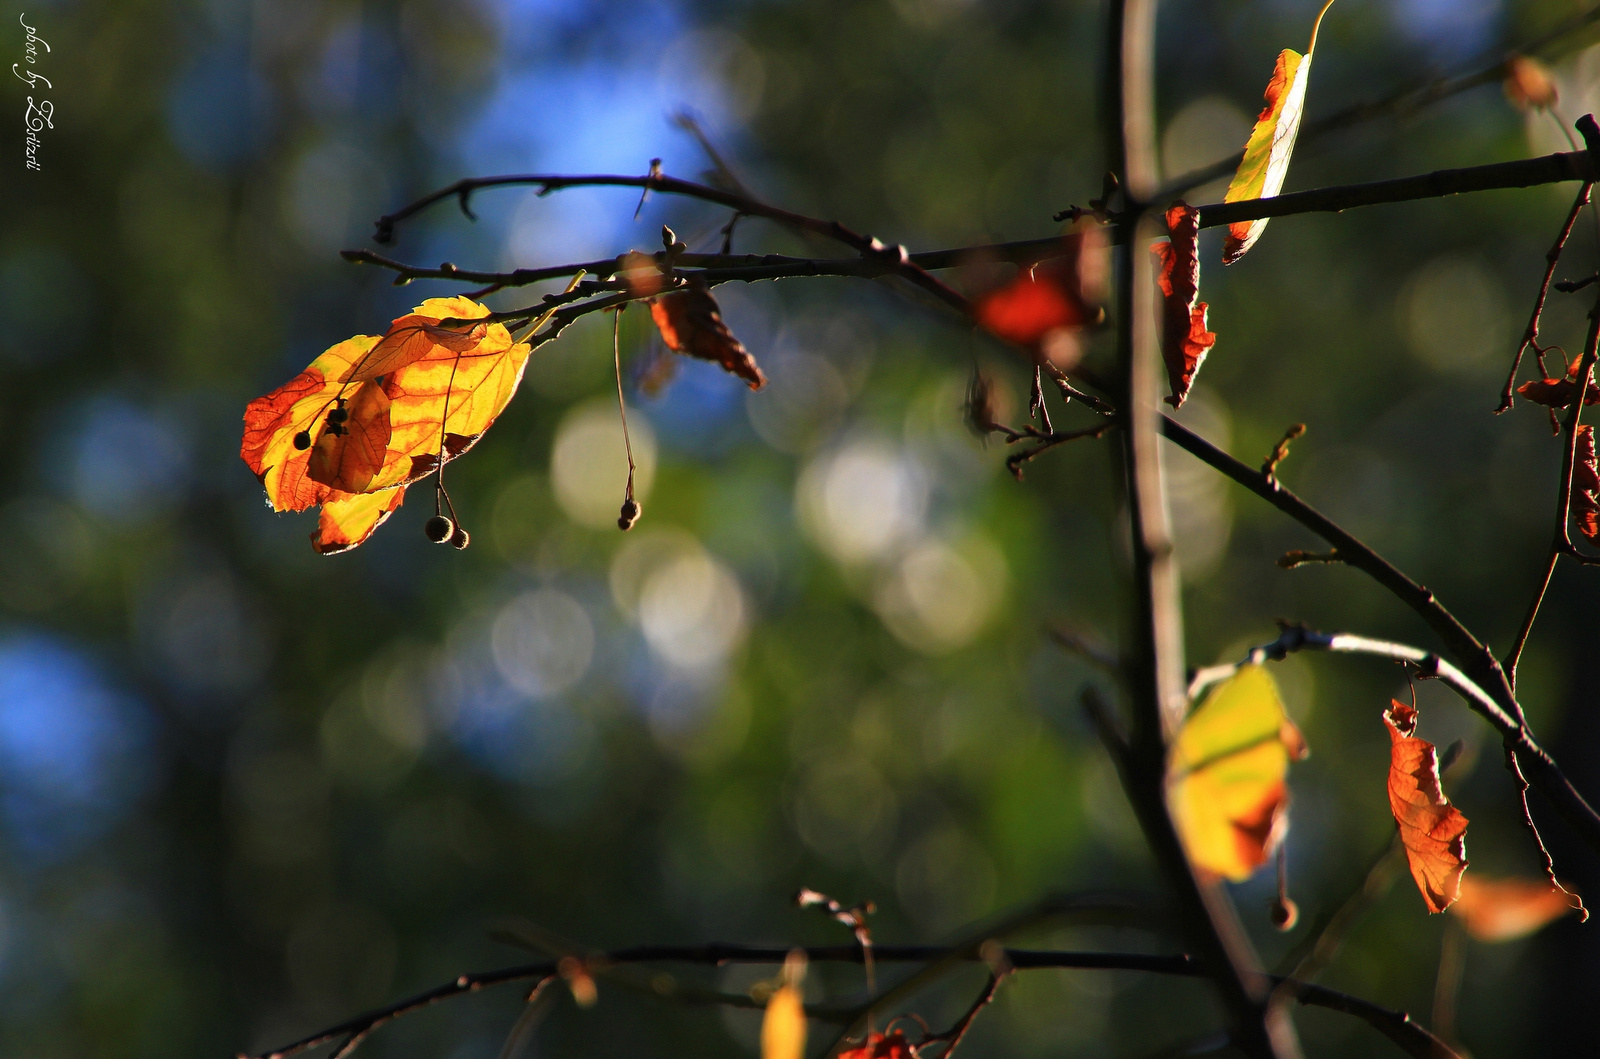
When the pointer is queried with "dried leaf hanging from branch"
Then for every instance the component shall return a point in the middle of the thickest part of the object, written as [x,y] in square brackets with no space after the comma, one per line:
[1045,305]
[1432,830]
[1507,909]
[1184,338]
[691,323]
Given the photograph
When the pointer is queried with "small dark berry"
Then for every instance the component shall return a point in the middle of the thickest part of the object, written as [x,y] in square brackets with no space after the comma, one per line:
[1285,914]
[460,539]
[302,440]
[438,529]
[630,514]
[338,415]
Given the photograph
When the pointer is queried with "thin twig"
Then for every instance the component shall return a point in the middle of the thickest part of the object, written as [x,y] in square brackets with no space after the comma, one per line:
[1530,336]
[1533,829]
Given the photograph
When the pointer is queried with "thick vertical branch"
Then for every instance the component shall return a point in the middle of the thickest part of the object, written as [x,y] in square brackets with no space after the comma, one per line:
[1156,664]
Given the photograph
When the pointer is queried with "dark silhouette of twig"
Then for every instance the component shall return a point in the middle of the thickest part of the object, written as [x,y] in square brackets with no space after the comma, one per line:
[1530,336]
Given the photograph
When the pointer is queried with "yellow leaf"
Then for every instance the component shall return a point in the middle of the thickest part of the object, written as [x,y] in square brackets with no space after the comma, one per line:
[1266,155]
[783,1029]
[1225,775]
[347,519]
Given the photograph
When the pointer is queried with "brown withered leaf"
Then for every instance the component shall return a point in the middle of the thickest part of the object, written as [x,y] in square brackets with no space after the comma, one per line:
[1432,830]
[1586,485]
[691,323]
[1184,338]
[1557,393]
[1506,909]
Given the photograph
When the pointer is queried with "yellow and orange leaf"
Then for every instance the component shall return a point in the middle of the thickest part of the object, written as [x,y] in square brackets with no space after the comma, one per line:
[417,335]
[1432,830]
[1184,338]
[347,519]
[349,454]
[1266,155]
[1506,909]
[300,405]
[1226,775]
[690,323]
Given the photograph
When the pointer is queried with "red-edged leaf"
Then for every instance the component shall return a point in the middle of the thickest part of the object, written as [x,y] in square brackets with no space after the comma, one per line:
[412,337]
[691,323]
[1586,485]
[1184,338]
[1432,830]
[349,454]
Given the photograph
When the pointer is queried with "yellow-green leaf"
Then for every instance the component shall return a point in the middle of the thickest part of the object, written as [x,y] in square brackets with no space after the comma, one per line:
[1266,156]
[1226,771]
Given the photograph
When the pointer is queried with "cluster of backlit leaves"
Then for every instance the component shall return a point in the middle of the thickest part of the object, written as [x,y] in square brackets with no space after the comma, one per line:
[373,415]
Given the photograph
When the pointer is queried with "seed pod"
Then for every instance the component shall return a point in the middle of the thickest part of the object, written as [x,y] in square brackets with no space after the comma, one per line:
[439,529]
[630,514]
[460,539]
[1285,914]
[302,440]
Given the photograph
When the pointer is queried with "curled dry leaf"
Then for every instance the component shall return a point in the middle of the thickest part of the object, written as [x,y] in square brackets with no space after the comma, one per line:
[1226,772]
[1052,300]
[1557,393]
[882,1046]
[783,1027]
[1586,485]
[1529,84]
[1506,909]
[1432,830]
[339,430]
[1184,338]
[1266,155]
[691,323]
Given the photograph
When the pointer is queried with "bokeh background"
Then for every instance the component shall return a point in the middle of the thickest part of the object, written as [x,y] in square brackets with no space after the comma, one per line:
[246,791]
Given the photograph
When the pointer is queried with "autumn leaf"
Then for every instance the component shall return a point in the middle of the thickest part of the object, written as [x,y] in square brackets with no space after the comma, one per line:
[783,1027]
[1184,338]
[1557,393]
[1506,909]
[1528,84]
[348,519]
[417,335]
[354,440]
[1226,771]
[1432,830]
[273,423]
[1266,155]
[1055,297]
[691,323]
[882,1046]
[1586,485]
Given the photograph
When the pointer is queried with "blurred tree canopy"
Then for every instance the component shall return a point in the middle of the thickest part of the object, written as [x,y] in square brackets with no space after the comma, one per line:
[246,791]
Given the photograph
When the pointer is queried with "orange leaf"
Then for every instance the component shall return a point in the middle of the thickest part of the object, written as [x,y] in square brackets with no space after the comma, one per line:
[1266,155]
[691,323]
[1557,393]
[1506,909]
[1184,338]
[410,338]
[1586,485]
[347,519]
[1528,83]
[354,440]
[783,1027]
[1432,830]
[1057,294]
[882,1046]
[272,423]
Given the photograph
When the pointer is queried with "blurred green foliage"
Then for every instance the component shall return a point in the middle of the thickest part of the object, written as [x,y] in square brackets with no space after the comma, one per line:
[246,791]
